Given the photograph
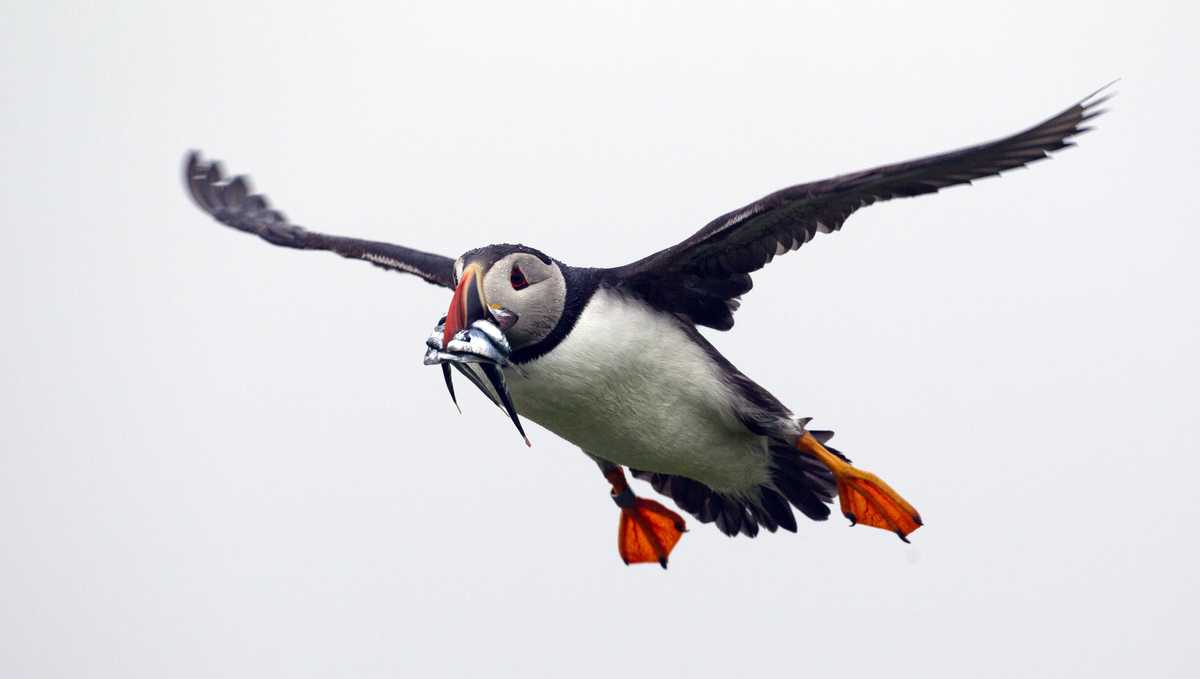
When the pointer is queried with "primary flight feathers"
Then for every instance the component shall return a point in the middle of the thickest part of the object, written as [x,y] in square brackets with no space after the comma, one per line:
[702,276]
[231,202]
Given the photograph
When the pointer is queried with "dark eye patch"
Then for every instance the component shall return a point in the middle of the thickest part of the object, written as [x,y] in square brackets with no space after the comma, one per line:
[517,278]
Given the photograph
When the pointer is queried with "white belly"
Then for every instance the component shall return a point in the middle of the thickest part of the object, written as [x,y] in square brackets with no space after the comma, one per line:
[629,386]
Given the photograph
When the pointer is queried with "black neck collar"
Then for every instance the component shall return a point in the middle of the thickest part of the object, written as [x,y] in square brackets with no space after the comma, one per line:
[581,285]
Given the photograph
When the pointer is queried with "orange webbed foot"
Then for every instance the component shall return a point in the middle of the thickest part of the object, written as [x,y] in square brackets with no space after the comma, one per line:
[647,532]
[864,497]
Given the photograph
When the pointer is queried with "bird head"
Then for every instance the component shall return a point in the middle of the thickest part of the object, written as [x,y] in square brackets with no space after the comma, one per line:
[518,288]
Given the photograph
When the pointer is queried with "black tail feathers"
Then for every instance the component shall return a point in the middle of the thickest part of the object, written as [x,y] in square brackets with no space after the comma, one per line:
[797,481]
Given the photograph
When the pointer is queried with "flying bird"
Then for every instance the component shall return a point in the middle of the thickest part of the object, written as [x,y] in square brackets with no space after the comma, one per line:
[611,360]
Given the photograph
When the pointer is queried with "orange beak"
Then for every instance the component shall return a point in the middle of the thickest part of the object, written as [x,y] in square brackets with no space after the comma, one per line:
[467,305]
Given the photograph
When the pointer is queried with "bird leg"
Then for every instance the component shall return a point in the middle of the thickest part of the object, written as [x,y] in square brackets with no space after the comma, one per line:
[865,498]
[647,531]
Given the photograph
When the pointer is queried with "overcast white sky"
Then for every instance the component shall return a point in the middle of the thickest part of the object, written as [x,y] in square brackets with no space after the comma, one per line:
[221,458]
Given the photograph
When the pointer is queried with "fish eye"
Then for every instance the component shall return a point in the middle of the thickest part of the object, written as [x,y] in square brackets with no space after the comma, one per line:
[517,278]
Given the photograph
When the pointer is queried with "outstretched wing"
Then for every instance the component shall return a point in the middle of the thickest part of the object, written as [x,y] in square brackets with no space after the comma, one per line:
[233,203]
[703,276]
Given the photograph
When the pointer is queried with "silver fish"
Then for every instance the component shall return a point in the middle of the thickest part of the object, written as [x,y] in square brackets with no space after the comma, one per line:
[485,345]
[494,334]
[473,346]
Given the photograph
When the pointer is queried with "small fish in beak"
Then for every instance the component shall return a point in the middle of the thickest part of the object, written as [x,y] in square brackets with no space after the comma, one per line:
[497,379]
[450,386]
[482,342]
[434,347]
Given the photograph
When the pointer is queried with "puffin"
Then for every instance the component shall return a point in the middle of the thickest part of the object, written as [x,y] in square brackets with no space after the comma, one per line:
[612,359]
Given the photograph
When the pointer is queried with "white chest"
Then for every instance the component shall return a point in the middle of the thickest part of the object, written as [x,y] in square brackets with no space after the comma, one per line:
[629,386]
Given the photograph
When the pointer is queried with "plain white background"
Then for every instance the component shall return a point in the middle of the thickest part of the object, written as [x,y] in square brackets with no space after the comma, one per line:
[221,458]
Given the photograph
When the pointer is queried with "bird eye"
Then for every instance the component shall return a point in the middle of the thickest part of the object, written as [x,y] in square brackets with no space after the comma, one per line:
[517,278]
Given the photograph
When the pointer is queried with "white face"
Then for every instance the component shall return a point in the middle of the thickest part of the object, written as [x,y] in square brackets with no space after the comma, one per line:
[525,285]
